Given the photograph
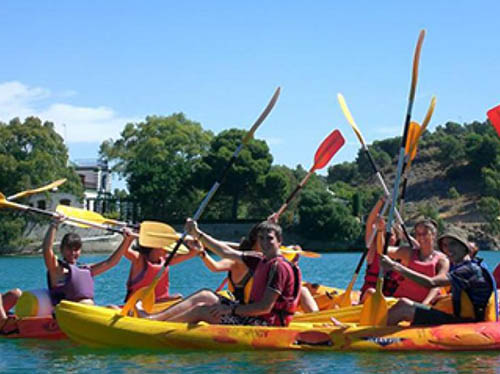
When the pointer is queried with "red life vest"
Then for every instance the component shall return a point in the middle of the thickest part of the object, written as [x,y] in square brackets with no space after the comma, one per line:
[412,290]
[391,278]
[146,276]
[287,302]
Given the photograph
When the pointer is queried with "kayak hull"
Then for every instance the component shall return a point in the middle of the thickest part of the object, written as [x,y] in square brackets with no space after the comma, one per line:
[104,328]
[32,327]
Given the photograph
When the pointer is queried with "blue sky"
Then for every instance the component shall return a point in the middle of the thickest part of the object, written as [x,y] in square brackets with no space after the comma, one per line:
[96,65]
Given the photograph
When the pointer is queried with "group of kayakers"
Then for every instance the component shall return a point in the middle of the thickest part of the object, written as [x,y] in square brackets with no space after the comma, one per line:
[266,288]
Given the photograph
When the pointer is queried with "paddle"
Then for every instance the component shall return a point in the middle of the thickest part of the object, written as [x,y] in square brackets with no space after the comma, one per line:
[412,149]
[87,215]
[350,119]
[375,308]
[323,155]
[494,117]
[144,292]
[145,239]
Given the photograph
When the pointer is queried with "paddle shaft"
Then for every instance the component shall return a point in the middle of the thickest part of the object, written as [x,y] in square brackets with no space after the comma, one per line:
[295,191]
[401,159]
[218,182]
[55,215]
[387,195]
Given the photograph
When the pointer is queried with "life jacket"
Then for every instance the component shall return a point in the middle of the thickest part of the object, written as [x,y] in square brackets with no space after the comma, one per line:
[242,290]
[391,278]
[475,302]
[412,290]
[146,276]
[285,306]
[77,285]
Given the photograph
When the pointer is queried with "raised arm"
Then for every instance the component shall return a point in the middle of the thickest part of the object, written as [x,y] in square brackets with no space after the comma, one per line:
[115,257]
[49,256]
[218,247]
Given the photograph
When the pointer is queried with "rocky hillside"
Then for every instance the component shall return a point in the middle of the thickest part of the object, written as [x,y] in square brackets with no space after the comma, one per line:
[429,188]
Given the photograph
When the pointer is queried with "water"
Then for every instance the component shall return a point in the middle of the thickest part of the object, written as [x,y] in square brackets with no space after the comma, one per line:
[37,356]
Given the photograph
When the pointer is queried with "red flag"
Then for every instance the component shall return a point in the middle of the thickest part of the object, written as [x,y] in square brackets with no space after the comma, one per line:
[494,116]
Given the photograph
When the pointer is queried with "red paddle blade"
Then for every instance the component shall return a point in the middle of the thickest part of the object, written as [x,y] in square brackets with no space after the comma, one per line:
[327,149]
[494,116]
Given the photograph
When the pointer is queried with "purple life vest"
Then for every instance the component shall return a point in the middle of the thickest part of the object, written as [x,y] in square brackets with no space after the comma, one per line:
[77,285]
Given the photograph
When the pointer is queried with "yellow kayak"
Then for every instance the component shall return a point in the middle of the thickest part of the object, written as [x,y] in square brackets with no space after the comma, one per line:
[105,328]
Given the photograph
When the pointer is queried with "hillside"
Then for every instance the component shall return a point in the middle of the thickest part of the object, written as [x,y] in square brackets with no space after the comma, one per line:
[429,187]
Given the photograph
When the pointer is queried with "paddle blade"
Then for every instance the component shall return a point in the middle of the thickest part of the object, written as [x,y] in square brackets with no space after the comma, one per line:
[345,299]
[348,116]
[156,234]
[144,294]
[327,149]
[494,117]
[4,203]
[263,115]
[47,187]
[411,142]
[290,252]
[374,312]
[416,60]
[86,215]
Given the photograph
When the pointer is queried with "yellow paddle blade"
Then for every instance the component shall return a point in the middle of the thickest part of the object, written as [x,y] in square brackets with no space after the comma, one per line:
[86,215]
[348,116]
[4,203]
[289,252]
[47,187]
[143,294]
[345,299]
[374,312]
[156,234]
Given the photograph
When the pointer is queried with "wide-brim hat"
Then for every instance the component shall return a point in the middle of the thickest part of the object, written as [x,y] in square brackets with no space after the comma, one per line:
[456,234]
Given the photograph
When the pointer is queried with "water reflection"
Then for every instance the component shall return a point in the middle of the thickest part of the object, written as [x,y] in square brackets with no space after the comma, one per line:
[429,362]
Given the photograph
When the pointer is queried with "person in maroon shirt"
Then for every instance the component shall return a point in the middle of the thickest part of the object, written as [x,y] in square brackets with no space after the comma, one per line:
[275,291]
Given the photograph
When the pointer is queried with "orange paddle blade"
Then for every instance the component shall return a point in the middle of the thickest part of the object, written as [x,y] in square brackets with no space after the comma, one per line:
[327,149]
[494,117]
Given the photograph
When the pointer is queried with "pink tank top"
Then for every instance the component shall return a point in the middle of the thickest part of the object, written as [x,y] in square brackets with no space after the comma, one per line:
[412,290]
[146,276]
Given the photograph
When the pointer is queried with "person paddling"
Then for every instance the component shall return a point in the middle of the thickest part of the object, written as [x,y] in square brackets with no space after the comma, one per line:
[468,277]
[145,264]
[423,259]
[68,280]
[275,290]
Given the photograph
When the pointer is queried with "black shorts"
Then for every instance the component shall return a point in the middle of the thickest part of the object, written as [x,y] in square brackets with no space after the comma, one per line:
[427,316]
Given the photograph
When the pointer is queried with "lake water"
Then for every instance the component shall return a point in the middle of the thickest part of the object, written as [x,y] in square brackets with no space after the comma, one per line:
[37,356]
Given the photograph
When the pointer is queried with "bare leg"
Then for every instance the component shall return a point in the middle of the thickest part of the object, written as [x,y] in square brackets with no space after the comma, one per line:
[404,310]
[203,297]
[10,298]
[307,302]
[200,312]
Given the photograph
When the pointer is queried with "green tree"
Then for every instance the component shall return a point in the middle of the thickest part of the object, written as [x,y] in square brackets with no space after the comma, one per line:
[323,218]
[247,176]
[345,172]
[31,154]
[490,208]
[158,158]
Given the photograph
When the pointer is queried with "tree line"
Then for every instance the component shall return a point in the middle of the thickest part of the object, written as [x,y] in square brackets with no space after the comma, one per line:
[170,162]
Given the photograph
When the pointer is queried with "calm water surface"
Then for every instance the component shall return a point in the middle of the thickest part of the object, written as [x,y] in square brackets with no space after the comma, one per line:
[36,356]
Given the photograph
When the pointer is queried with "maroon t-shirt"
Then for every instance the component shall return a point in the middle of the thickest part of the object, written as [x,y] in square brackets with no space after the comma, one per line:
[277,274]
